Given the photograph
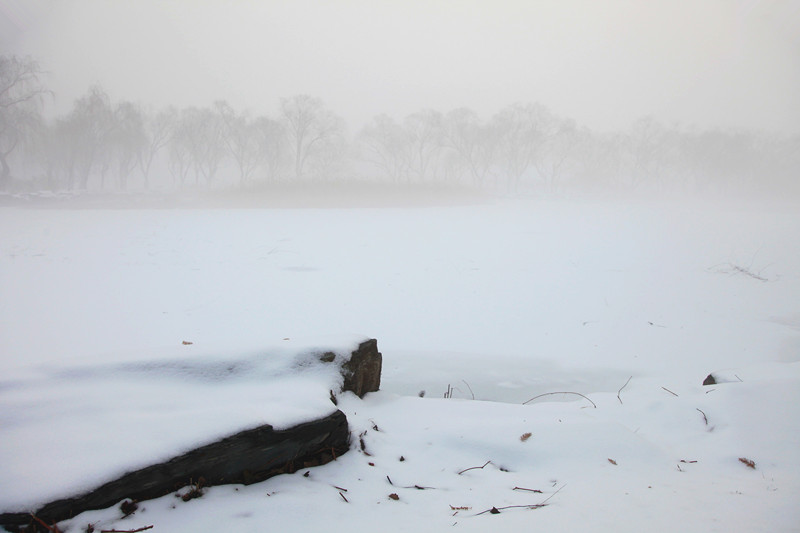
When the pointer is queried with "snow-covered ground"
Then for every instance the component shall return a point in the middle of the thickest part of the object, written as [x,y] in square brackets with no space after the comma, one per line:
[500,302]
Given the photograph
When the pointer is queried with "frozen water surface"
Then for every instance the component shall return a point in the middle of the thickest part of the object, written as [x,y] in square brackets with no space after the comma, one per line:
[501,302]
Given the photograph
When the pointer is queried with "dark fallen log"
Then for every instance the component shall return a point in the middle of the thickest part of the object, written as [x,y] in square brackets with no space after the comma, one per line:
[247,457]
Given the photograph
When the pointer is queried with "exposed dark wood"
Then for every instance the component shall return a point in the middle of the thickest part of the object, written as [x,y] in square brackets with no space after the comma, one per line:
[246,457]
[362,373]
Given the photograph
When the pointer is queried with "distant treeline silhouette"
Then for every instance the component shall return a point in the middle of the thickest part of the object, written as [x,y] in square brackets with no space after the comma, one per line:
[105,145]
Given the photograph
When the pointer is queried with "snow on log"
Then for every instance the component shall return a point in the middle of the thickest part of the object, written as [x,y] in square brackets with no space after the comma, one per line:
[107,453]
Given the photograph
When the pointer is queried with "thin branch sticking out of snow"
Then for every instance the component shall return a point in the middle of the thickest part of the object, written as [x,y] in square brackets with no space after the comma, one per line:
[669,391]
[731,269]
[474,468]
[620,389]
[561,392]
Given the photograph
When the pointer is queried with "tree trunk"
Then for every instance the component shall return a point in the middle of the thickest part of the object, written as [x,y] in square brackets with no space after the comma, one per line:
[5,172]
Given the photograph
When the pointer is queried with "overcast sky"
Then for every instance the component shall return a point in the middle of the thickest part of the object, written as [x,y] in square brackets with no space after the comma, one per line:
[728,63]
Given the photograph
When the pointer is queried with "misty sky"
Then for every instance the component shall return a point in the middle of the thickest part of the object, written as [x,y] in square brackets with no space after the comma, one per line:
[729,63]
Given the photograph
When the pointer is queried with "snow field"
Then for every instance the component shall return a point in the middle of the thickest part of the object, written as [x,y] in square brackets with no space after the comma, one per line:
[503,301]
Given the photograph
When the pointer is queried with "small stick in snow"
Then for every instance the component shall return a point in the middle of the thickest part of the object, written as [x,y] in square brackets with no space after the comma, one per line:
[556,492]
[669,391]
[470,388]
[363,444]
[529,490]
[496,510]
[705,418]
[418,487]
[474,468]
[342,495]
[746,272]
[53,528]
[561,392]
[620,389]
[145,528]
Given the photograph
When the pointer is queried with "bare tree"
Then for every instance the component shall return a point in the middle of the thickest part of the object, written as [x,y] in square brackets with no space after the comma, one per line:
[426,133]
[522,130]
[198,144]
[474,143]
[562,140]
[158,128]
[128,139]
[271,140]
[180,154]
[21,95]
[386,145]
[647,151]
[241,140]
[86,132]
[309,125]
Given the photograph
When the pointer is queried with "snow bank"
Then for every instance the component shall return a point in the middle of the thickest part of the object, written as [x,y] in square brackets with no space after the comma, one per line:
[503,302]
[67,428]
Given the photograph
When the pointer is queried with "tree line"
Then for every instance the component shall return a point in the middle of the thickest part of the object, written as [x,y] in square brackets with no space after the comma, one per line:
[101,144]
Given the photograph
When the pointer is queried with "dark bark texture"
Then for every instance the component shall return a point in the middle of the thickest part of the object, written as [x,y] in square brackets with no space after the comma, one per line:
[247,457]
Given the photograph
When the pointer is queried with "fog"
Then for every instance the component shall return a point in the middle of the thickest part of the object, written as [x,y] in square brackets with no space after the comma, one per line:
[514,98]
[716,63]
[515,198]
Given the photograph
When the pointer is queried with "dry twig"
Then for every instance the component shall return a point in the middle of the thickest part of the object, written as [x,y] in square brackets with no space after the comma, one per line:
[561,392]
[52,529]
[732,269]
[669,391]
[470,388]
[145,528]
[620,389]
[474,468]
[740,270]
[529,490]
[543,503]
[705,418]
[496,510]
